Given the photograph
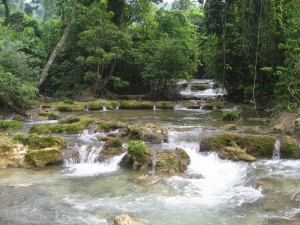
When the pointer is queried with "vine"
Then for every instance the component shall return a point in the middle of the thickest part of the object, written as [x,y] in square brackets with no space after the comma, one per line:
[256,56]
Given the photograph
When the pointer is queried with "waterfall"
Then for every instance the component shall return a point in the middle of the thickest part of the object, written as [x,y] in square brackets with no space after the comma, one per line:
[104,108]
[11,117]
[87,152]
[222,180]
[276,151]
[117,107]
[153,166]
[154,107]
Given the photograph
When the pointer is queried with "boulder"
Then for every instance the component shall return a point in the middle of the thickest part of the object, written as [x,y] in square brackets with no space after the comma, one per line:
[111,148]
[137,156]
[11,154]
[141,158]
[235,153]
[43,157]
[125,219]
[171,161]
[258,146]
[34,141]
[148,133]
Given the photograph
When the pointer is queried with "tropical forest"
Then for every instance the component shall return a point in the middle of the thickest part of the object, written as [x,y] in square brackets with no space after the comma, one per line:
[136,112]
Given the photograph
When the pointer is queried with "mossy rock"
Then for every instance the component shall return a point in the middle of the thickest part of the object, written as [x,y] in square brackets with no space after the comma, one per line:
[56,128]
[10,125]
[43,157]
[133,104]
[111,148]
[5,144]
[114,142]
[288,147]
[95,106]
[11,155]
[259,146]
[109,104]
[108,126]
[148,133]
[48,115]
[35,141]
[70,119]
[137,153]
[164,105]
[171,161]
[69,108]
[63,126]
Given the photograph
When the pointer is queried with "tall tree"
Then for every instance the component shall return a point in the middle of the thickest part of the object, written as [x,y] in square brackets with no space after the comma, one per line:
[59,45]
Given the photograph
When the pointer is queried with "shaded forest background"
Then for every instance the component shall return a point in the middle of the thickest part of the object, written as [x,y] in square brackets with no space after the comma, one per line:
[107,48]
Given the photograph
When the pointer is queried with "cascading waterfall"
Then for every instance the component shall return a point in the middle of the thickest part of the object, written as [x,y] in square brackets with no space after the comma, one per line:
[104,108]
[276,151]
[223,181]
[88,152]
[154,107]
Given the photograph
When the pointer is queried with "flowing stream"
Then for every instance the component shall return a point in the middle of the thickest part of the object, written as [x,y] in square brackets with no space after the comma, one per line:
[89,192]
[84,191]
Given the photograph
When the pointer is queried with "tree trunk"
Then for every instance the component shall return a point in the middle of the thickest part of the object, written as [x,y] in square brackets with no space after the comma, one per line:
[57,49]
[7,14]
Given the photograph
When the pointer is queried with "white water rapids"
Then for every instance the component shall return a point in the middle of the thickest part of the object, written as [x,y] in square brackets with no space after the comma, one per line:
[93,193]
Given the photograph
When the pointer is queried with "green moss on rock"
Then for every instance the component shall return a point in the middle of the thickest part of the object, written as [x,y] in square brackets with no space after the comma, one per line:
[164,105]
[133,104]
[70,119]
[288,148]
[66,127]
[114,142]
[35,141]
[48,115]
[95,106]
[43,157]
[259,146]
[137,153]
[171,161]
[107,126]
[10,124]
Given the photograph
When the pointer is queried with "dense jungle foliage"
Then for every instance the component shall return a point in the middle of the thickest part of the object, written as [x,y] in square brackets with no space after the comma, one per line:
[106,48]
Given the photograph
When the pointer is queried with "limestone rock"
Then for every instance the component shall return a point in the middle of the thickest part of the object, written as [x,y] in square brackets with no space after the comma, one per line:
[11,154]
[111,148]
[125,219]
[258,146]
[148,133]
[43,157]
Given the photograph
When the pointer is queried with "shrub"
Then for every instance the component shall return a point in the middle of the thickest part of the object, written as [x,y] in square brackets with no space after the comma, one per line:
[231,114]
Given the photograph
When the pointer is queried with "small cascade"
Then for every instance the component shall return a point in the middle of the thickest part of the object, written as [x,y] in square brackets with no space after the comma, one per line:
[117,107]
[11,117]
[87,108]
[153,166]
[104,108]
[200,89]
[154,107]
[276,151]
[82,157]
[31,118]
[221,181]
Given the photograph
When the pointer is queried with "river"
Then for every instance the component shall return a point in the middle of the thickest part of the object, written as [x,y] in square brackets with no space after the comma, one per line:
[88,192]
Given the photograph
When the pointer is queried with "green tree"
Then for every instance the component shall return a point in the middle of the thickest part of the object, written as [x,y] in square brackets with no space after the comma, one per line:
[18,69]
[104,44]
[175,55]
